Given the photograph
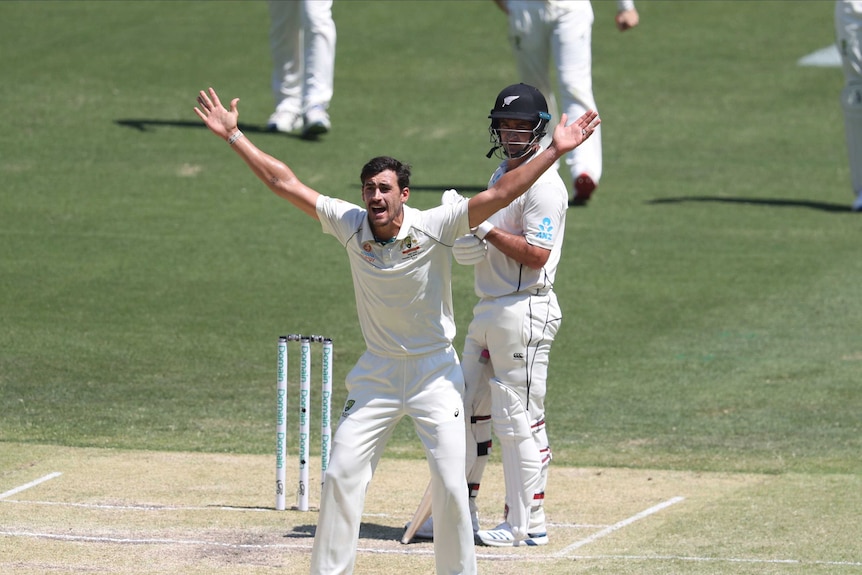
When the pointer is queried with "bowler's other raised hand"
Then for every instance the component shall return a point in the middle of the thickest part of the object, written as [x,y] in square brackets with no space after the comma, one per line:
[220,121]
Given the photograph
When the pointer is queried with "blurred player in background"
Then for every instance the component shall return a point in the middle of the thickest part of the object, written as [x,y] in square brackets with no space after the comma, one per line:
[562,29]
[848,34]
[400,260]
[302,46]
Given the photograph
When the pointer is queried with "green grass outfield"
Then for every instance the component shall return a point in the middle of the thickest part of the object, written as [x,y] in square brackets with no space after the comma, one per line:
[710,290]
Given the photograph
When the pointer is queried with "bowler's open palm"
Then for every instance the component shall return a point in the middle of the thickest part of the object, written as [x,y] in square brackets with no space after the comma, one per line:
[222,122]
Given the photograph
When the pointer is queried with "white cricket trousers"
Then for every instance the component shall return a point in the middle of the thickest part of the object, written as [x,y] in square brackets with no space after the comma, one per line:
[848,36]
[517,330]
[302,45]
[540,30]
[380,392]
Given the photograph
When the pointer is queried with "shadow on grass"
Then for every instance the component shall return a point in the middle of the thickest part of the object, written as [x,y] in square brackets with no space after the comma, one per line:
[778,203]
[144,125]
[366,531]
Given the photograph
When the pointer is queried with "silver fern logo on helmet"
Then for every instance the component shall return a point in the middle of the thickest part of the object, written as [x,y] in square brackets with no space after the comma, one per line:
[509,99]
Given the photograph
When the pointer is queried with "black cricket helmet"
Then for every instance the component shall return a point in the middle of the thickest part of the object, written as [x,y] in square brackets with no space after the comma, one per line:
[519,102]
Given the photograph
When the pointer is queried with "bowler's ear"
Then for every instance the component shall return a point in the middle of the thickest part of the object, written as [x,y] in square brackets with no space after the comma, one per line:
[405,195]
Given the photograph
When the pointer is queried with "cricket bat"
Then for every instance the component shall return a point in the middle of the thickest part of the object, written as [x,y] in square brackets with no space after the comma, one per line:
[423,512]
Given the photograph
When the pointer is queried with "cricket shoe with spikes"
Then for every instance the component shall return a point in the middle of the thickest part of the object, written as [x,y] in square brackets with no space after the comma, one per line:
[584,188]
[285,122]
[316,122]
[501,536]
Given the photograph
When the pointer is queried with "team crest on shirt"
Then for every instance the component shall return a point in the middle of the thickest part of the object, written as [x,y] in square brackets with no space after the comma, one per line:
[546,230]
[411,247]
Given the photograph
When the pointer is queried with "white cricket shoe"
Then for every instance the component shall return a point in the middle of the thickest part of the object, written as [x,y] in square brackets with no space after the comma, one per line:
[857,203]
[316,121]
[501,536]
[286,122]
[426,530]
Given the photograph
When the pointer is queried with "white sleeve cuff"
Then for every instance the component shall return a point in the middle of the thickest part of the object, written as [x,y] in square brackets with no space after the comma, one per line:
[482,229]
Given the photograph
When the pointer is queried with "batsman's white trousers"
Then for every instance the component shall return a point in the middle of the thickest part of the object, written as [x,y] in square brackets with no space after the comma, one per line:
[541,30]
[380,392]
[517,330]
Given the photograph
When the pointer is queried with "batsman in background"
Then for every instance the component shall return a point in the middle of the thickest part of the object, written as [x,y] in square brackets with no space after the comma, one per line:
[505,361]
[400,260]
[848,33]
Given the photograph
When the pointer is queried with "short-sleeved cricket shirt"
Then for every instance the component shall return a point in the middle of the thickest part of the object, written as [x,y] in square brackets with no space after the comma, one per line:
[540,216]
[403,288]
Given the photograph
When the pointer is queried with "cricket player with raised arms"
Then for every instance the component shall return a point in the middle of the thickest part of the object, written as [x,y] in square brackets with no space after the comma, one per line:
[400,260]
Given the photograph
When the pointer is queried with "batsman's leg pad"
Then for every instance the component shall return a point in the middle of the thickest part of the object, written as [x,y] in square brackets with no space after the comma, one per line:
[477,412]
[537,513]
[522,463]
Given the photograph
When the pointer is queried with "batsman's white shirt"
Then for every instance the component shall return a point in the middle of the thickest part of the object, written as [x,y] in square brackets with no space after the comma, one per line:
[540,216]
[403,289]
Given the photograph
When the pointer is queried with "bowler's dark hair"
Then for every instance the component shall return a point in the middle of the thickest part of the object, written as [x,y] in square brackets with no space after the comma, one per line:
[383,163]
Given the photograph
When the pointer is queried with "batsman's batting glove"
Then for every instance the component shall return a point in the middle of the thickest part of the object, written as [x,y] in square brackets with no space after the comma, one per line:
[451,197]
[469,250]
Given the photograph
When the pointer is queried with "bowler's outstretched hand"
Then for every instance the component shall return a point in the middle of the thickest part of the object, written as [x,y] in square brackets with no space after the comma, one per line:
[222,122]
[567,138]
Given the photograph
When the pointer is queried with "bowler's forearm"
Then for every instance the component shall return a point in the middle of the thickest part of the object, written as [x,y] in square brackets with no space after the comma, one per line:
[276,175]
[510,186]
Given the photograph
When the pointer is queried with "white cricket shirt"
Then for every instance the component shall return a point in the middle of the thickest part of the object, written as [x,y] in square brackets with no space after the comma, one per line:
[403,289]
[540,216]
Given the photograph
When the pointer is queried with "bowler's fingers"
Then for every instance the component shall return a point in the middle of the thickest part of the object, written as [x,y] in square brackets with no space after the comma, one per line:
[215,97]
[204,101]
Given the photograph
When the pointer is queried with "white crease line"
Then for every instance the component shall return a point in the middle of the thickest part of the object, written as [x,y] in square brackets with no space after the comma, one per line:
[530,557]
[143,541]
[139,507]
[619,525]
[31,484]
[719,560]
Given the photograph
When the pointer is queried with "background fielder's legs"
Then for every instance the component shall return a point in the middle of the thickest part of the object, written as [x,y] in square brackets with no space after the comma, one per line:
[319,45]
[848,30]
[572,51]
[539,31]
[302,39]
[286,48]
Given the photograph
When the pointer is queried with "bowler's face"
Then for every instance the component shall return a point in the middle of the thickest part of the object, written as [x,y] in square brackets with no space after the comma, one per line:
[384,200]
